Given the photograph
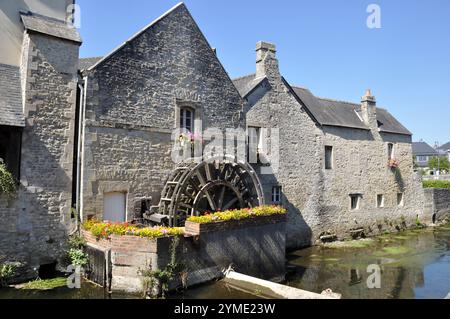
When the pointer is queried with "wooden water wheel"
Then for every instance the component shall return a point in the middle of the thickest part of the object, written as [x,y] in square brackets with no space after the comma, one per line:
[195,189]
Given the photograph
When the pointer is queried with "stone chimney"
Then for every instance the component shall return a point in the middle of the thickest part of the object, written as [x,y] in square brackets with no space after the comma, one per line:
[266,60]
[369,110]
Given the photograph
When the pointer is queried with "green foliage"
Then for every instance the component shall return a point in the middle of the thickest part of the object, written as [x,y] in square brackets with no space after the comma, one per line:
[160,279]
[105,230]
[78,257]
[48,284]
[436,184]
[419,224]
[7,271]
[238,214]
[439,163]
[77,242]
[7,182]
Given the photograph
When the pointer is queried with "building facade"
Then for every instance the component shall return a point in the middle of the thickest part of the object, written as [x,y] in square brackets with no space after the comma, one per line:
[37,121]
[344,168]
[95,137]
[167,77]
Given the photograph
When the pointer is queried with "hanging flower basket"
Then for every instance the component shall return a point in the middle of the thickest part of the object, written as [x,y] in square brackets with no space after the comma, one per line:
[394,163]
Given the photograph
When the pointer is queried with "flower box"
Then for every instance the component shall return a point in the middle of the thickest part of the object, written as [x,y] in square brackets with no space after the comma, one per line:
[195,229]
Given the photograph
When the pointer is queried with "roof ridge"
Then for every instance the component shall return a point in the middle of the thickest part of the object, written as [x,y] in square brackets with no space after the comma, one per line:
[244,76]
[336,100]
[114,51]
[92,57]
[301,87]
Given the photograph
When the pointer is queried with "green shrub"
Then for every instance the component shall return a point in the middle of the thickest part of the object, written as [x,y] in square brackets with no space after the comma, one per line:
[156,282]
[7,182]
[436,184]
[77,242]
[78,257]
[238,214]
[7,271]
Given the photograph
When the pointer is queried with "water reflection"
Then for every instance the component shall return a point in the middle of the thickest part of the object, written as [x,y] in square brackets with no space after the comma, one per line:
[414,264]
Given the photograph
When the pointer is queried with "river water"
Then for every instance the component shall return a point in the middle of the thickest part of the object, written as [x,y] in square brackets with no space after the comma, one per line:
[413,264]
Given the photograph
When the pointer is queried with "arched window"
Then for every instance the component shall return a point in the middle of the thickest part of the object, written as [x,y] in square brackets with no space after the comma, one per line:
[187,117]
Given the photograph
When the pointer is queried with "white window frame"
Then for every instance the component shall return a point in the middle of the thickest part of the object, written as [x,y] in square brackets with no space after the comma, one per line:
[184,112]
[422,158]
[277,193]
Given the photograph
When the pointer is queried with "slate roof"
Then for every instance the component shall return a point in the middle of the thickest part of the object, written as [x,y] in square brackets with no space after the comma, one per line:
[445,147]
[329,112]
[86,63]
[423,149]
[50,26]
[11,113]
[246,84]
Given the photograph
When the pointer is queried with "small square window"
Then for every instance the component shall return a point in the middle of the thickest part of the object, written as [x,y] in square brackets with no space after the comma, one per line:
[276,194]
[400,200]
[380,201]
[355,201]
[328,157]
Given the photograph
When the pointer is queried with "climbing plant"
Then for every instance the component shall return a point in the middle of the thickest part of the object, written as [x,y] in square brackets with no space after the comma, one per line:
[156,282]
[7,182]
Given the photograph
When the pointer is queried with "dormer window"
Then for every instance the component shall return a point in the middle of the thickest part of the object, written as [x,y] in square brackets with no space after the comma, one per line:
[187,117]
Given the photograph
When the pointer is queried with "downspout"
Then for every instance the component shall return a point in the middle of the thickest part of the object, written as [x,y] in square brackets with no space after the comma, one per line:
[80,158]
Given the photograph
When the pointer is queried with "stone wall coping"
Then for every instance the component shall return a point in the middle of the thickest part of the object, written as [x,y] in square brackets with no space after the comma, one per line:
[192,228]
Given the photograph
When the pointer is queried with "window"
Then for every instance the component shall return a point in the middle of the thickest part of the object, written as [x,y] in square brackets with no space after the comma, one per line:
[422,159]
[187,119]
[10,149]
[355,200]
[114,207]
[328,157]
[254,144]
[276,194]
[380,201]
[390,151]
[400,200]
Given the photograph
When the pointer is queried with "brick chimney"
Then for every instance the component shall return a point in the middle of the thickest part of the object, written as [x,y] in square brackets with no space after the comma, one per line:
[369,110]
[266,60]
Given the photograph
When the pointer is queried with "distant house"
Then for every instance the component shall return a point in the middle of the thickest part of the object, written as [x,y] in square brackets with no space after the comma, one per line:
[444,150]
[423,152]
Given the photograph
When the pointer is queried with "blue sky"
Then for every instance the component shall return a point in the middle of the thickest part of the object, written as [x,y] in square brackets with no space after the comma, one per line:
[324,45]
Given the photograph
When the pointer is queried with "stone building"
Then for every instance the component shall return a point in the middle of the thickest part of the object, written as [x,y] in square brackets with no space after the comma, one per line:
[345,169]
[165,77]
[97,135]
[37,121]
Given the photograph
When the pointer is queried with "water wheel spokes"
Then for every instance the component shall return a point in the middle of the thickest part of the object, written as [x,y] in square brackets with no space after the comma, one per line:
[195,189]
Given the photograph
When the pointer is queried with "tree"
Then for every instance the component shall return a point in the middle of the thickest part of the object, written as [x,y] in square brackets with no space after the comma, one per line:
[439,163]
